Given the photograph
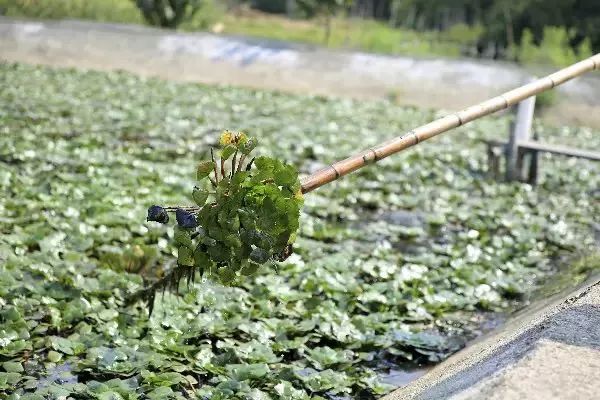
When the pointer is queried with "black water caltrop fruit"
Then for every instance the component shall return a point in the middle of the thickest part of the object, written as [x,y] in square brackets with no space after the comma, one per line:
[185,219]
[157,214]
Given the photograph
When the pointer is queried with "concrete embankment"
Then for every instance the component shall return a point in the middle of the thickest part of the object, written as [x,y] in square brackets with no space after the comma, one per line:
[549,351]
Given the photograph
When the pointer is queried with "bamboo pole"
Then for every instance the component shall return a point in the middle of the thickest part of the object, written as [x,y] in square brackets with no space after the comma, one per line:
[441,125]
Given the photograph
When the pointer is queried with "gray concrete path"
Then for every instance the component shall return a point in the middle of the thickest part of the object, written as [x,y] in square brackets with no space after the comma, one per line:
[207,58]
[550,352]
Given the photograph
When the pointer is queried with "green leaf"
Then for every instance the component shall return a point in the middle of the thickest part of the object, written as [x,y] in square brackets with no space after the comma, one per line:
[185,256]
[233,223]
[9,378]
[233,241]
[65,345]
[219,253]
[182,237]
[54,356]
[249,268]
[265,163]
[201,259]
[286,175]
[10,366]
[204,169]
[208,241]
[242,372]
[226,275]
[227,151]
[247,146]
[200,196]
[259,255]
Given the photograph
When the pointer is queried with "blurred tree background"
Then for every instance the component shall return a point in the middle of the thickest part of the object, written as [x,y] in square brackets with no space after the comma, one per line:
[168,13]
[499,26]
[551,32]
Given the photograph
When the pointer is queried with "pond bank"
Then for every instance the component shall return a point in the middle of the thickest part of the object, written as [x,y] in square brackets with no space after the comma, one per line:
[551,350]
[263,64]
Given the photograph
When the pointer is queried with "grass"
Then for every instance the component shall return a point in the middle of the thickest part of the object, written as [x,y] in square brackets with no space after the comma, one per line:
[394,264]
[356,34]
[122,11]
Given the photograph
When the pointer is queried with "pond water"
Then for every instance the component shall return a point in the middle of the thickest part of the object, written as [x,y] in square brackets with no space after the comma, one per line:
[395,264]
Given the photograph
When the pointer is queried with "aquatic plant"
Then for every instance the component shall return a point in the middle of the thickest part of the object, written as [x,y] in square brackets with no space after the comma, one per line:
[246,215]
[396,273]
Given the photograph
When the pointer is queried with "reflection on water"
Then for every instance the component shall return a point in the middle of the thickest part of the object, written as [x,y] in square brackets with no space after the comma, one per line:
[404,373]
[59,374]
[402,377]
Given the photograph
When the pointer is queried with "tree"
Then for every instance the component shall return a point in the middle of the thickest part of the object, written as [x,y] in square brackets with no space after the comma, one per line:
[326,8]
[168,13]
[504,22]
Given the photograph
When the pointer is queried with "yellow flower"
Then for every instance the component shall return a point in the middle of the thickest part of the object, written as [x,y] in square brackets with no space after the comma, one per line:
[241,138]
[227,137]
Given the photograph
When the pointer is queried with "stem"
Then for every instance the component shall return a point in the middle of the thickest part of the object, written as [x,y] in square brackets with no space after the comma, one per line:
[185,208]
[250,164]
[222,168]
[233,160]
[242,158]
[212,156]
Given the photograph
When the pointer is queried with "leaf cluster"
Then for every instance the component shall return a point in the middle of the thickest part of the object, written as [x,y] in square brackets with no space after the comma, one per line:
[246,215]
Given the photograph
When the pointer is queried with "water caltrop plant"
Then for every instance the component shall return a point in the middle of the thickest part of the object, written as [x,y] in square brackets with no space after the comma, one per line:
[246,215]
[392,275]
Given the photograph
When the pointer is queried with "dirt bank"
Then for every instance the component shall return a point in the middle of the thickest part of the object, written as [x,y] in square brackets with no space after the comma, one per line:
[207,58]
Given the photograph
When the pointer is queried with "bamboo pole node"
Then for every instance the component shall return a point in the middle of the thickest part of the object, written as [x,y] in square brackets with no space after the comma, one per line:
[446,123]
[416,137]
[460,121]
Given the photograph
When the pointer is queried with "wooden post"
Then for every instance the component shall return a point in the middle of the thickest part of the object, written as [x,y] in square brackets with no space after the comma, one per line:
[495,152]
[491,162]
[520,131]
[534,157]
[444,124]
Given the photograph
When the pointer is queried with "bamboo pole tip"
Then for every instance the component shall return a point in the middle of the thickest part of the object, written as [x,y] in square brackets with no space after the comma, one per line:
[596,61]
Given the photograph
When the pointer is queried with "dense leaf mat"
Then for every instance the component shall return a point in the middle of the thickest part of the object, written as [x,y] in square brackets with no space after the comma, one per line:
[394,263]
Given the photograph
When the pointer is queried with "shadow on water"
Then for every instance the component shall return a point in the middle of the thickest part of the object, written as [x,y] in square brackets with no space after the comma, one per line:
[403,376]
